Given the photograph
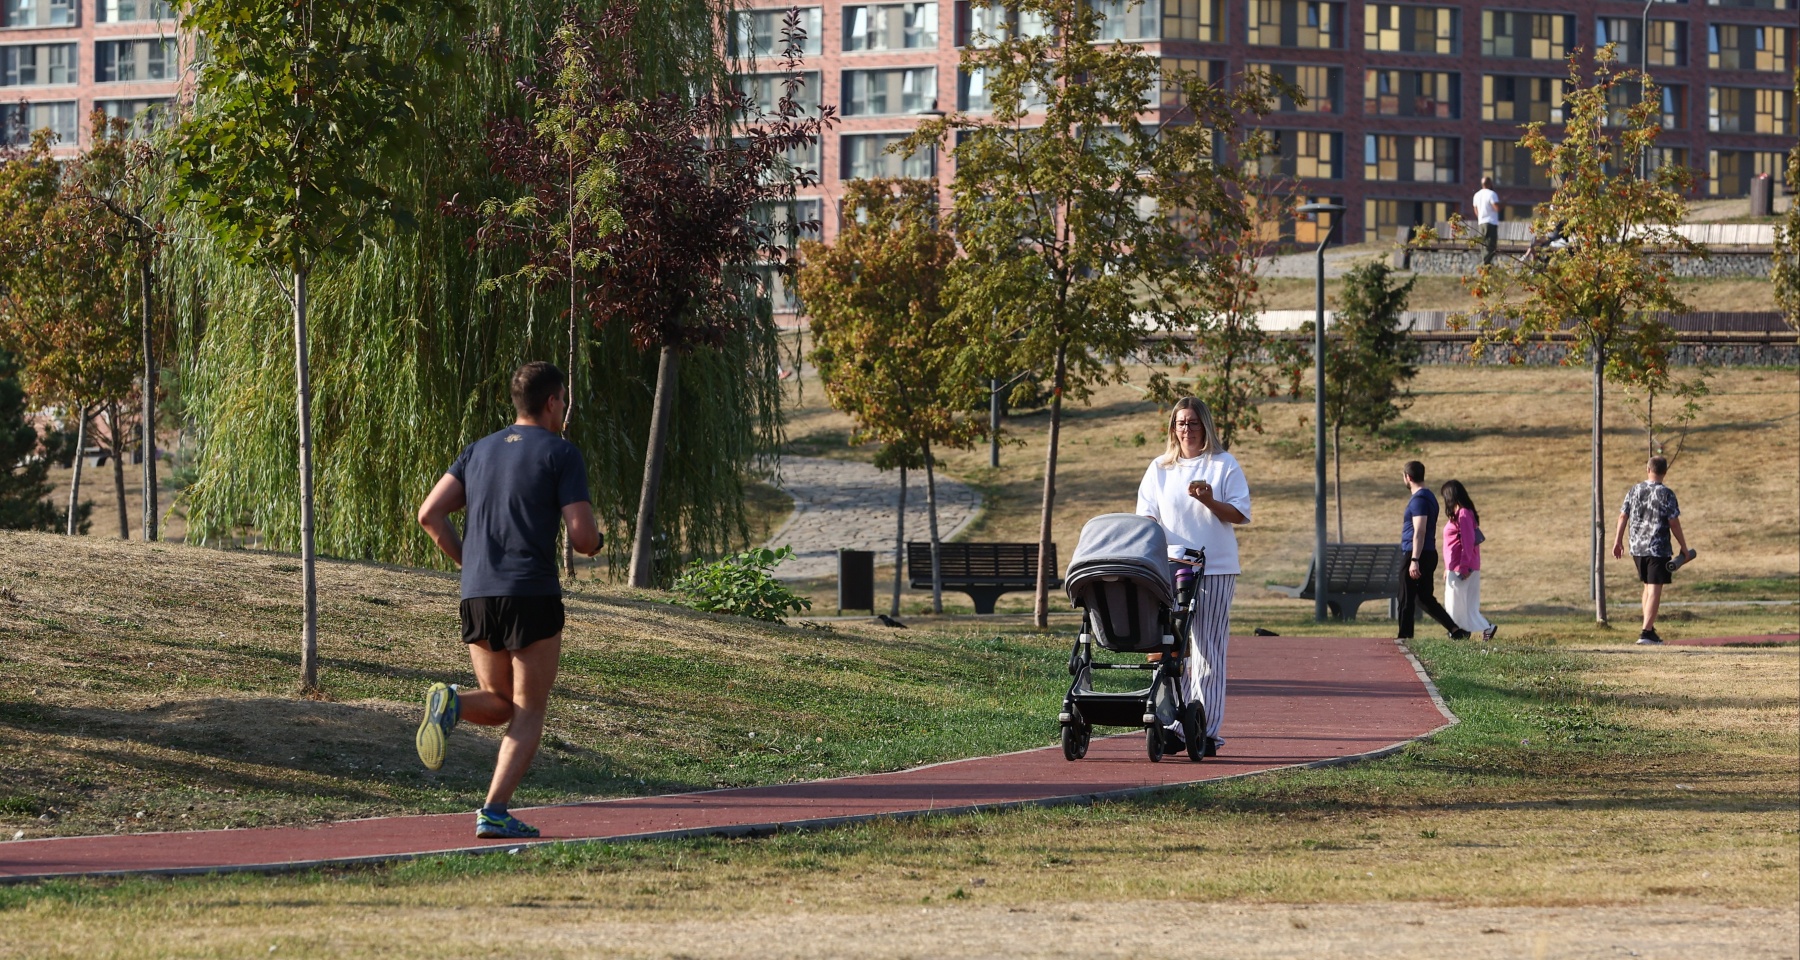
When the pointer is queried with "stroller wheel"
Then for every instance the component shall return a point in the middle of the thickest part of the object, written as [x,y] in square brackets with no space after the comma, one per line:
[1075,738]
[1193,728]
[1153,743]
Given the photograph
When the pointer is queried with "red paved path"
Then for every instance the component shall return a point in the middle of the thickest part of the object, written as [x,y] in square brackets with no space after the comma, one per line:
[1293,701]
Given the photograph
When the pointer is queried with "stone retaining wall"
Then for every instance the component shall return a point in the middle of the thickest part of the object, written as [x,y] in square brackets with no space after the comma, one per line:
[1437,352]
[1718,265]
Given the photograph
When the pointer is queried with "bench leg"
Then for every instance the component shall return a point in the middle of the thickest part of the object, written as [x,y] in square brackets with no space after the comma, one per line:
[984,597]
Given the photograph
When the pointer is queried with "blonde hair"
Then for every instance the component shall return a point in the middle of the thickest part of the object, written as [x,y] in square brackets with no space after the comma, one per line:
[1204,415]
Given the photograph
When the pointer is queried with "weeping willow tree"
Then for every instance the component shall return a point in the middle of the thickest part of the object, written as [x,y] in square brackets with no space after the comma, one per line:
[412,346]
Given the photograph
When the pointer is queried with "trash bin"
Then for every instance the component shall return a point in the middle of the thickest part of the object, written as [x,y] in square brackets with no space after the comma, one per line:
[1762,196]
[856,580]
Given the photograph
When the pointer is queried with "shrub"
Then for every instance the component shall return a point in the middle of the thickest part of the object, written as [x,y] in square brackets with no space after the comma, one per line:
[741,585]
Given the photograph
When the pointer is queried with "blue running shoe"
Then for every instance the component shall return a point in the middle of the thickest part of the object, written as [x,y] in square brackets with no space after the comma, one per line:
[442,708]
[502,826]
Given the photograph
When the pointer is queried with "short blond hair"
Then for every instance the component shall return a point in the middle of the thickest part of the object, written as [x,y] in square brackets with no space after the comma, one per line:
[1201,412]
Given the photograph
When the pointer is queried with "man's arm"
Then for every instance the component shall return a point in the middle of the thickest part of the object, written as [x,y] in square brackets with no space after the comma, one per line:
[584,532]
[1418,545]
[1619,535]
[1675,530]
[434,515]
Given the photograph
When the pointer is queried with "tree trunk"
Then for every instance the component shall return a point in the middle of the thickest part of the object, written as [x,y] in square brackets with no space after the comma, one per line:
[569,403]
[75,478]
[1337,481]
[1040,614]
[149,412]
[899,544]
[643,549]
[309,583]
[117,441]
[937,572]
[1597,558]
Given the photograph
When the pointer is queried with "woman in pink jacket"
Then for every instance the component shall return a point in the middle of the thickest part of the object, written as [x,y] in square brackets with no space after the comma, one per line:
[1462,560]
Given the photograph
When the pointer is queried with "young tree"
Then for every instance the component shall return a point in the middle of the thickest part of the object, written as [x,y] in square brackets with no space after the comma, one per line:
[1601,287]
[1053,196]
[1372,360]
[24,483]
[885,344]
[1786,269]
[297,103]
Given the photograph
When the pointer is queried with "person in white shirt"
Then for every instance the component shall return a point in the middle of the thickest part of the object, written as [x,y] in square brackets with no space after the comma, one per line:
[1198,493]
[1487,215]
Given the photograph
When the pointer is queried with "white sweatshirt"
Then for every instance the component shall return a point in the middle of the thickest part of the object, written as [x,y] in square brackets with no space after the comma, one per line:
[1163,497]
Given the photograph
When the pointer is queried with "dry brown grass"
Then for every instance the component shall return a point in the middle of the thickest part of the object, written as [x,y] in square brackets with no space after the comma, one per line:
[1518,437]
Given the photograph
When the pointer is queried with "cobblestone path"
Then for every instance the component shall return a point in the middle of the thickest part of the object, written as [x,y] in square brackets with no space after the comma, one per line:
[847,504]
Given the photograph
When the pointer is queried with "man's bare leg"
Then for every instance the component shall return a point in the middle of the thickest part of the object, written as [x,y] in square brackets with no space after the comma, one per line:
[1652,600]
[515,690]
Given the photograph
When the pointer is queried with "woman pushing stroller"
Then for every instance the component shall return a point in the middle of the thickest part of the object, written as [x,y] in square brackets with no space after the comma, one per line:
[1198,493]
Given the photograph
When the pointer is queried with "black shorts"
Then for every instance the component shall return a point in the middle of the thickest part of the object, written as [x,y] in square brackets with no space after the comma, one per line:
[1653,569]
[511,623]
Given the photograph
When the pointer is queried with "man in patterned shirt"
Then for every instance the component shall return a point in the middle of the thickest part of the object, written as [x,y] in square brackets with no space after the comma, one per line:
[1652,514]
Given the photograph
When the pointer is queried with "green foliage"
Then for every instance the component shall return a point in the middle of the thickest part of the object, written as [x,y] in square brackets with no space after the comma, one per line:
[742,586]
[24,488]
[1372,358]
[1786,268]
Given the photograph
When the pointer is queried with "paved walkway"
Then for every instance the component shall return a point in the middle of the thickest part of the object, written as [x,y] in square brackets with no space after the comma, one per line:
[850,505]
[1294,701]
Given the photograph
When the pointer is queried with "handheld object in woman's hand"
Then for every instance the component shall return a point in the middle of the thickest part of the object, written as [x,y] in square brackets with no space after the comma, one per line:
[1199,489]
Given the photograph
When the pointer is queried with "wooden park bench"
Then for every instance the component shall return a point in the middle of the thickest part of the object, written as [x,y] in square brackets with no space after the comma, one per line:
[984,571]
[1355,573]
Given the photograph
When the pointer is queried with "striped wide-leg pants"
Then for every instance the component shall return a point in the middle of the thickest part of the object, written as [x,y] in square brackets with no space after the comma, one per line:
[1208,636]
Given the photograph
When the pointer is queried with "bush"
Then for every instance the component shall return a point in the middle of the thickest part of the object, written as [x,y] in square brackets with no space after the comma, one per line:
[741,586]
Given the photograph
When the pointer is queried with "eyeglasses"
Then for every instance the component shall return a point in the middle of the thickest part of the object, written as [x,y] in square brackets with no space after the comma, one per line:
[1188,423]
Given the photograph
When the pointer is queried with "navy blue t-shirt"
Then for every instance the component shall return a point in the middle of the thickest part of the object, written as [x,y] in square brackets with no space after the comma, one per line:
[516,483]
[1422,504]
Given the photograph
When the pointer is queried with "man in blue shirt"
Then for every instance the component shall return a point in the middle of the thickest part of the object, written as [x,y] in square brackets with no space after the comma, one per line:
[519,486]
[1418,540]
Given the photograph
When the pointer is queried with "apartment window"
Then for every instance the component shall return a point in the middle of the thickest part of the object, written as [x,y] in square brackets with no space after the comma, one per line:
[1295,23]
[1382,218]
[1731,46]
[1625,96]
[1749,110]
[1522,99]
[1202,20]
[979,24]
[38,64]
[973,93]
[19,120]
[1203,71]
[788,220]
[1512,166]
[1531,36]
[37,13]
[866,155]
[143,115]
[1322,86]
[783,297]
[1407,159]
[872,93]
[1127,19]
[757,33]
[767,89]
[1660,157]
[1729,172]
[1412,93]
[1304,154]
[1393,28]
[1754,4]
[120,11]
[121,61]
[1668,40]
[890,26]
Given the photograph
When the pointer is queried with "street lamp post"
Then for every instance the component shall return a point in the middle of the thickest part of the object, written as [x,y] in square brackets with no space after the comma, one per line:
[1644,81]
[1319,584]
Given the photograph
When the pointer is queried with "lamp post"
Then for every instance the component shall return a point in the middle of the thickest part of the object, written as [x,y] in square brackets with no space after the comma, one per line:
[1319,585]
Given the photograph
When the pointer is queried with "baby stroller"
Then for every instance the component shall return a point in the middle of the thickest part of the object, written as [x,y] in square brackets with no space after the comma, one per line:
[1120,578]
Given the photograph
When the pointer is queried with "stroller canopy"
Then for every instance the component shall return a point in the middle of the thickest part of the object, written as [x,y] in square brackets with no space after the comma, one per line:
[1115,545]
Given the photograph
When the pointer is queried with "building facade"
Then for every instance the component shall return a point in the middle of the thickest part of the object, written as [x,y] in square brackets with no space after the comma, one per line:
[1408,104]
[62,59]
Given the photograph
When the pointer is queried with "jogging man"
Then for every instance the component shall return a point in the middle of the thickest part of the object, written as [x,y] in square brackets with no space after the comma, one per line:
[1652,514]
[1418,542]
[517,485]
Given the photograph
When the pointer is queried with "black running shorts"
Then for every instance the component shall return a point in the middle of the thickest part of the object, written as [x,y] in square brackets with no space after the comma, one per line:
[1653,569]
[511,623]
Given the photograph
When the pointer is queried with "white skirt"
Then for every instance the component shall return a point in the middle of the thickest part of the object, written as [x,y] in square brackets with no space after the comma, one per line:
[1462,598]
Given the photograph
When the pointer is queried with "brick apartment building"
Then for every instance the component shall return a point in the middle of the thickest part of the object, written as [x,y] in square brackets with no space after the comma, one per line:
[62,59]
[1409,104]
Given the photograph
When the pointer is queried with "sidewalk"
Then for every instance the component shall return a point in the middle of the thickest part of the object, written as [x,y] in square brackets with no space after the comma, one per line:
[1294,702]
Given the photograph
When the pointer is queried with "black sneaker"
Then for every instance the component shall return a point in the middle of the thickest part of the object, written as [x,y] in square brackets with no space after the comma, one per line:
[1648,638]
[1460,635]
